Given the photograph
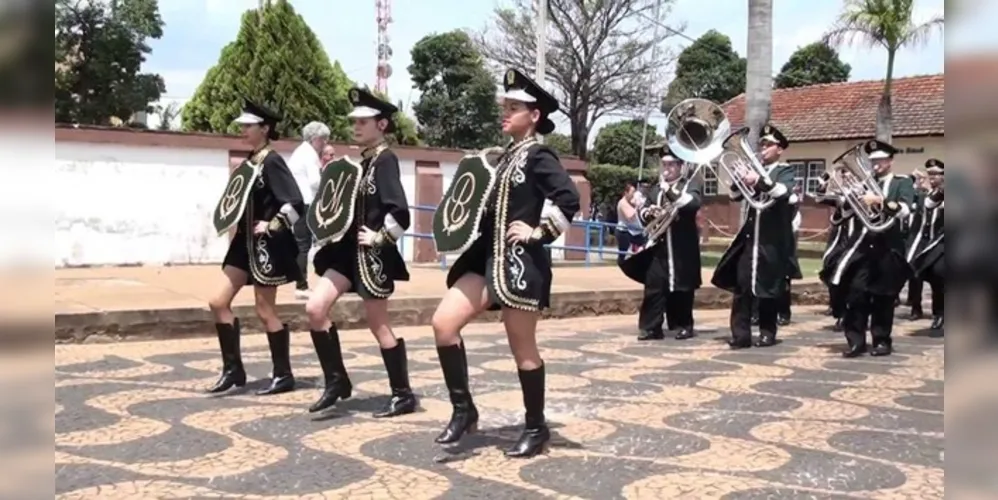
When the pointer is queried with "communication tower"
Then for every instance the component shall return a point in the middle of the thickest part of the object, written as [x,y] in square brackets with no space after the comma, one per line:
[384,68]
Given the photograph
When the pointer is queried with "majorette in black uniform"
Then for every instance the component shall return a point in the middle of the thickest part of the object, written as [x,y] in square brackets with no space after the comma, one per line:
[269,259]
[927,255]
[669,268]
[373,270]
[843,228]
[517,275]
[785,302]
[873,269]
[756,264]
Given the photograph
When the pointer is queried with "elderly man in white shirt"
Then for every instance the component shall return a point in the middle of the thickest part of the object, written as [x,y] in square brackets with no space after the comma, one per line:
[305,166]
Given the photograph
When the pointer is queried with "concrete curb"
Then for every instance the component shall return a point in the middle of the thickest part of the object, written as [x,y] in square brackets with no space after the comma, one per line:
[113,326]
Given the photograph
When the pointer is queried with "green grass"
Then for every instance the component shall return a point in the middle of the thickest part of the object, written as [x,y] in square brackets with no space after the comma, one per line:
[809,268]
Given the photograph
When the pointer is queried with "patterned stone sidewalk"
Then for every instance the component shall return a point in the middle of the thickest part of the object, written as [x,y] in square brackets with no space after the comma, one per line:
[658,420]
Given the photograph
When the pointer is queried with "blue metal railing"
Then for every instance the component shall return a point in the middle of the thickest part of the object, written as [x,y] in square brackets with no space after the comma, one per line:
[592,228]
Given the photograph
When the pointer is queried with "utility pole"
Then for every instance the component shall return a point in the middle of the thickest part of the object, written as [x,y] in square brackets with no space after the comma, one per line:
[542,46]
[651,94]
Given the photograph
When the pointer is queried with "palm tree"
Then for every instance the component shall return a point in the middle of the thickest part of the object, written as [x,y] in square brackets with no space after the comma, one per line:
[887,24]
[759,74]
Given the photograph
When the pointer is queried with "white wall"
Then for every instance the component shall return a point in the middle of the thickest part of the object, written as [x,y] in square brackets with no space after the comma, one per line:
[118,204]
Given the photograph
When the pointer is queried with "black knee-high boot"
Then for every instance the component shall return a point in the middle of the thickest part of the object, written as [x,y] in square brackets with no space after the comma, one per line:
[280,355]
[233,373]
[334,373]
[464,416]
[403,401]
[535,432]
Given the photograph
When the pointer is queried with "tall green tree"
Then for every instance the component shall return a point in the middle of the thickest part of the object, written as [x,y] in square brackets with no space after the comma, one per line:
[813,64]
[887,24]
[561,143]
[99,50]
[599,53]
[277,60]
[709,68]
[619,143]
[457,107]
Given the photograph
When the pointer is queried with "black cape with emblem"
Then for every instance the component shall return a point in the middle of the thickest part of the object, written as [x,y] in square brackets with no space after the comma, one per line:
[767,236]
[519,275]
[382,207]
[269,259]
[675,258]
[875,262]
[930,255]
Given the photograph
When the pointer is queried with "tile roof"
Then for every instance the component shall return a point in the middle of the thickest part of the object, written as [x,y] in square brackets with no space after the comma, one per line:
[848,110]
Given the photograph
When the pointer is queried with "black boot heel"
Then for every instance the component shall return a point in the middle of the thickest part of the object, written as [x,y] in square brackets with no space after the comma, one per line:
[280,355]
[233,374]
[403,401]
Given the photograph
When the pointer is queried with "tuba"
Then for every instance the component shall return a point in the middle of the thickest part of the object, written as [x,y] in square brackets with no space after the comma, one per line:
[853,178]
[700,133]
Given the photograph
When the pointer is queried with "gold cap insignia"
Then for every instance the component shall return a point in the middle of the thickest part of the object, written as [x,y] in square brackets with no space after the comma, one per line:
[873,144]
[933,163]
[510,77]
[767,130]
[354,96]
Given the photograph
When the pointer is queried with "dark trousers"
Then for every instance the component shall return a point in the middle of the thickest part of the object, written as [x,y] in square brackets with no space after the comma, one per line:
[741,315]
[837,300]
[938,285]
[304,239]
[864,309]
[783,303]
[623,244]
[659,306]
[915,293]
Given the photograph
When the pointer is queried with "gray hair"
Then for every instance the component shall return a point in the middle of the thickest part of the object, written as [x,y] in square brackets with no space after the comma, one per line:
[315,130]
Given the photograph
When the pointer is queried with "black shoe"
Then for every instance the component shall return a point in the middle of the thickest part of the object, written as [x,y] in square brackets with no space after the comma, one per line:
[783,320]
[882,349]
[937,323]
[916,314]
[403,401]
[233,374]
[743,343]
[838,326]
[464,415]
[685,333]
[651,335]
[535,432]
[338,386]
[766,340]
[854,351]
[280,355]
[829,312]
[755,321]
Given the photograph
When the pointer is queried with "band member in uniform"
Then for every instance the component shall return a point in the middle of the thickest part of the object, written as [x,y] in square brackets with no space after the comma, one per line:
[262,254]
[914,229]
[507,268]
[784,312]
[841,234]
[930,261]
[874,268]
[669,268]
[756,264]
[366,262]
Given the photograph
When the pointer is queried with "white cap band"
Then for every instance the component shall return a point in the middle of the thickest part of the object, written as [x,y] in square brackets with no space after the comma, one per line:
[363,112]
[519,95]
[248,119]
[770,138]
[669,158]
[878,154]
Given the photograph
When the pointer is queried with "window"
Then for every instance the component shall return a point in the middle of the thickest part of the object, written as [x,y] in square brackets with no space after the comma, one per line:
[808,174]
[710,184]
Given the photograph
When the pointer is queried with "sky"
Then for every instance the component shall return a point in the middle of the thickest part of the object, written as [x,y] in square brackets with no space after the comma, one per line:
[196,31]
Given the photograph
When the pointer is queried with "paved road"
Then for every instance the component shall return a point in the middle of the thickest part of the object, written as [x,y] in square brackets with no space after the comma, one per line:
[655,420]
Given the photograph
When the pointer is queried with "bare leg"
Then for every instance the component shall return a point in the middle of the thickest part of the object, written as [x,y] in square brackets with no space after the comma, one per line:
[521,330]
[462,302]
[331,286]
[233,280]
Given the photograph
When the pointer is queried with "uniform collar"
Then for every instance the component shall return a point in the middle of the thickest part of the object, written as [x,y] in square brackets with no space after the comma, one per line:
[373,151]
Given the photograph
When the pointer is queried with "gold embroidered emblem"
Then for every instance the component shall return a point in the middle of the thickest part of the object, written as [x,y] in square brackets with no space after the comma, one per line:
[355,96]
[510,77]
[873,145]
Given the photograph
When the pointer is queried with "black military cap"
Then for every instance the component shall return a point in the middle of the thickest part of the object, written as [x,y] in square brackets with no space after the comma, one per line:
[661,149]
[368,105]
[519,87]
[255,114]
[934,166]
[773,135]
[876,150]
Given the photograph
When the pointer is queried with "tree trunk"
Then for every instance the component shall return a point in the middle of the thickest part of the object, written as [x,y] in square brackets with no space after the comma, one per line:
[885,112]
[580,133]
[759,75]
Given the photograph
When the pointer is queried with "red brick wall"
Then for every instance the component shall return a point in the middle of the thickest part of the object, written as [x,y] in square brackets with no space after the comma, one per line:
[576,236]
[429,191]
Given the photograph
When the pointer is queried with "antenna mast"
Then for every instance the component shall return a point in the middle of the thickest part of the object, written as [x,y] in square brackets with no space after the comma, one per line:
[384,68]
